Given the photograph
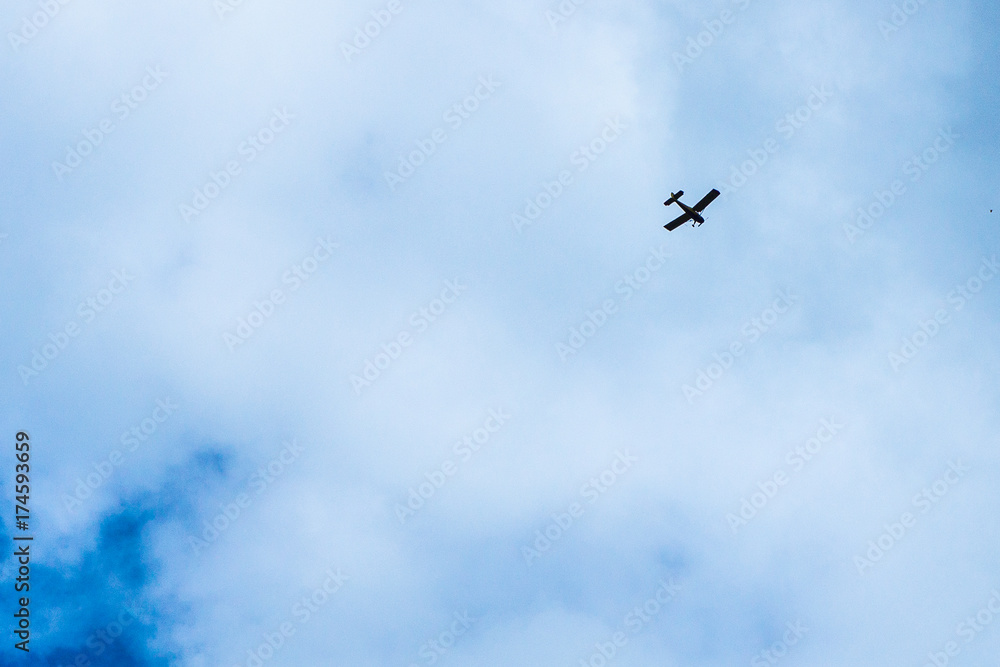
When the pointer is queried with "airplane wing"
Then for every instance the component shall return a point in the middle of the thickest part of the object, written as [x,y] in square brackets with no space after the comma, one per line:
[708,199]
[678,222]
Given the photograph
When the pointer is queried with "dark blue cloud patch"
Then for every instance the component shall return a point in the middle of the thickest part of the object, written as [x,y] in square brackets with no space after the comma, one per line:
[99,611]
[96,613]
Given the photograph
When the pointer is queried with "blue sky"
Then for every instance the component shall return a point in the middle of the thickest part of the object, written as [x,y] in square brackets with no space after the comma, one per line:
[287,409]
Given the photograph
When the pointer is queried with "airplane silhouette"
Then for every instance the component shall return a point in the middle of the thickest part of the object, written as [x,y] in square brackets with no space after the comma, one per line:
[692,213]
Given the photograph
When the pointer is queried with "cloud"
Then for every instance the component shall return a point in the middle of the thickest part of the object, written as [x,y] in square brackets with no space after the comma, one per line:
[274,488]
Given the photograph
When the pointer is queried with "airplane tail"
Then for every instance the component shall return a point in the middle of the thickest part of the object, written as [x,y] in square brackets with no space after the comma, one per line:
[674,196]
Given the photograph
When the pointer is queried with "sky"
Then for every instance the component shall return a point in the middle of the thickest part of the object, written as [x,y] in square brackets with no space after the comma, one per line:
[350,334]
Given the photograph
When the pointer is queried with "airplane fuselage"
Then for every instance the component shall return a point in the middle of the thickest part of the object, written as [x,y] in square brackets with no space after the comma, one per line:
[675,199]
[692,213]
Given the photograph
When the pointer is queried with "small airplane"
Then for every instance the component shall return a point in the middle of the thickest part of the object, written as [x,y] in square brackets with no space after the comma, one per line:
[692,213]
